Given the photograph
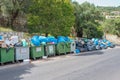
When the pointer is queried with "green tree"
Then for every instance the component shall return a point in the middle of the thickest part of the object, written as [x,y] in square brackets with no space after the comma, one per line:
[87,19]
[112,26]
[11,9]
[51,16]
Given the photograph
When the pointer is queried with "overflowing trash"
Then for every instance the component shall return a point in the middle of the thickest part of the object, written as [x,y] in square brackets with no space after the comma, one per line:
[81,45]
[64,39]
[93,44]
[42,40]
[14,48]
[12,42]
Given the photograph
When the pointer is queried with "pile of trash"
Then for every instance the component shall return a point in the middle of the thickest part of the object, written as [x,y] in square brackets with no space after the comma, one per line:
[42,40]
[13,41]
[36,40]
[64,39]
[93,44]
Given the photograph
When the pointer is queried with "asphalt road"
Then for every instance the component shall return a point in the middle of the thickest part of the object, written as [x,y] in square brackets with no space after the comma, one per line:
[96,65]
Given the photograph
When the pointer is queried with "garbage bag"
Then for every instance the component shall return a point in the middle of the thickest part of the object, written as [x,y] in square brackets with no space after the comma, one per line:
[79,44]
[97,47]
[52,40]
[103,46]
[43,43]
[96,42]
[67,39]
[82,49]
[35,40]
[24,43]
[19,44]
[93,39]
[104,40]
[85,40]
[110,44]
[1,37]
[90,48]
[7,41]
[42,39]
[61,39]
[77,51]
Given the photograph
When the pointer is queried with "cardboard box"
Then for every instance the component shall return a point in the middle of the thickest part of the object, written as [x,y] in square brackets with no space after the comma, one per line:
[3,45]
[1,42]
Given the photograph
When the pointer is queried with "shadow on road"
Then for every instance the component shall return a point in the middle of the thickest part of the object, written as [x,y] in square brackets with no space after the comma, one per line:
[15,73]
[91,53]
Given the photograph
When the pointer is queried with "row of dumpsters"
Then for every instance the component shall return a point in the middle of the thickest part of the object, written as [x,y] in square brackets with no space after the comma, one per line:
[17,54]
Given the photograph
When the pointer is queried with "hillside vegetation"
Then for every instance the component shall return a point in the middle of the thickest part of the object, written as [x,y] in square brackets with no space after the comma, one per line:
[57,17]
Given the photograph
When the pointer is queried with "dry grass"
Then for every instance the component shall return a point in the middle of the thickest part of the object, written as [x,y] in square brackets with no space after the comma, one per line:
[4,29]
[113,38]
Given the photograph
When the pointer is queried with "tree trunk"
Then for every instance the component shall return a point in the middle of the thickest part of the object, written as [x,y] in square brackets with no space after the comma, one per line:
[14,15]
[46,34]
[80,33]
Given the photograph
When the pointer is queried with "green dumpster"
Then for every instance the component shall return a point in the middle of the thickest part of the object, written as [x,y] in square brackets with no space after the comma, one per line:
[36,52]
[60,48]
[50,50]
[68,47]
[6,55]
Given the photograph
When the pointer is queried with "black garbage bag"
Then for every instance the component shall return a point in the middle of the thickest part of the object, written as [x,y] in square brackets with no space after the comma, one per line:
[79,44]
[91,47]
[82,49]
[19,44]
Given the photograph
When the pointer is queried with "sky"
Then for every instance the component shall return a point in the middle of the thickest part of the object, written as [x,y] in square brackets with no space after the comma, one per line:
[113,3]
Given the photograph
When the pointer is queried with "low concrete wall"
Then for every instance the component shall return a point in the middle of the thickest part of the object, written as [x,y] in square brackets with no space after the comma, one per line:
[9,34]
